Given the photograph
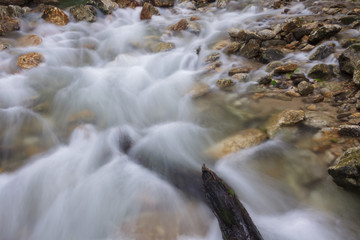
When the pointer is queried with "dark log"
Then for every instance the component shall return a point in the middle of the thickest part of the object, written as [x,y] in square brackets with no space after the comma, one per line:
[234,221]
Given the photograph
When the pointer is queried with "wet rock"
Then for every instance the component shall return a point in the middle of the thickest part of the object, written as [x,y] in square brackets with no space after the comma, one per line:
[305,88]
[199,90]
[356,75]
[324,32]
[286,118]
[349,59]
[29,40]
[55,15]
[289,27]
[315,99]
[271,66]
[14,2]
[233,48]
[161,47]
[347,20]
[319,119]
[212,57]
[29,60]
[128,3]
[273,43]
[194,28]
[237,70]
[349,130]
[241,77]
[320,71]
[222,3]
[244,139]
[225,83]
[266,80]
[323,51]
[85,13]
[345,170]
[11,11]
[163,3]
[250,49]
[243,35]
[179,26]
[105,6]
[288,68]
[269,55]
[214,66]
[148,11]
[266,34]
[348,42]
[8,25]
[299,33]
[4,45]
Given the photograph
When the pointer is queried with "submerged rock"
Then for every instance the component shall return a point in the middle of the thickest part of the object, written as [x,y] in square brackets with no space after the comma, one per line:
[55,15]
[148,11]
[105,6]
[324,32]
[161,47]
[286,118]
[244,139]
[222,3]
[345,170]
[83,13]
[225,83]
[29,40]
[29,60]
[179,26]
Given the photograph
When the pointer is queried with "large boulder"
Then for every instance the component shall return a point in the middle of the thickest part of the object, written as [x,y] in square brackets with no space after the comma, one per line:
[324,32]
[147,11]
[105,6]
[55,15]
[244,139]
[83,13]
[29,60]
[350,58]
[345,170]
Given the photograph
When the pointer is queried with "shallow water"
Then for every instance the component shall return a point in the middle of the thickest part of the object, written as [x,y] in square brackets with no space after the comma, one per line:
[99,87]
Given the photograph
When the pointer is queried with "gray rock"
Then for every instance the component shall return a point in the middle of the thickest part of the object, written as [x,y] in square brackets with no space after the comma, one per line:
[323,51]
[273,43]
[222,3]
[320,71]
[349,59]
[11,11]
[266,34]
[345,170]
[163,3]
[83,13]
[105,6]
[305,88]
[356,75]
[349,130]
[250,49]
[271,66]
[212,57]
[324,32]
[271,54]
[14,2]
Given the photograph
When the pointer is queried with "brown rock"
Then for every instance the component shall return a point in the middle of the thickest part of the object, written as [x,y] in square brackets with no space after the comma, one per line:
[237,70]
[195,18]
[29,40]
[224,83]
[8,25]
[29,60]
[128,3]
[55,15]
[148,11]
[244,139]
[179,26]
[163,3]
[288,68]
[286,118]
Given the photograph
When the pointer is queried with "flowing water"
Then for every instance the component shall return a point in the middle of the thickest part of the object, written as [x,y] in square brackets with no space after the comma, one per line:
[100,88]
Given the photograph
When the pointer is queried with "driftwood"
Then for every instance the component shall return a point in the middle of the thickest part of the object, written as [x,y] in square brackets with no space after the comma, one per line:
[234,221]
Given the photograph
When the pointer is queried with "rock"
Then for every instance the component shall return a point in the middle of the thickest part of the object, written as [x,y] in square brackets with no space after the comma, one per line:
[234,71]
[286,118]
[324,32]
[323,51]
[349,130]
[242,35]
[233,48]
[356,75]
[212,57]
[349,19]
[4,45]
[241,77]
[299,33]
[250,49]
[194,27]
[266,34]
[319,119]
[271,54]
[29,40]
[214,66]
[266,80]
[349,59]
[148,11]
[179,26]
[85,13]
[320,71]
[29,60]
[8,25]
[11,11]
[305,88]
[273,43]
[244,139]
[348,42]
[163,3]
[345,170]
[271,66]
[199,89]
[55,15]
[222,3]
[105,6]
[128,3]
[288,68]
[288,27]
[14,2]
[161,47]
[225,83]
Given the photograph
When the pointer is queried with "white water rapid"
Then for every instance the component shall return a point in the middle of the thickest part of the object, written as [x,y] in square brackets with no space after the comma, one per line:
[62,125]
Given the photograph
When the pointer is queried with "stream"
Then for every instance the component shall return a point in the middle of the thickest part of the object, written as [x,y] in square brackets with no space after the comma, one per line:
[100,87]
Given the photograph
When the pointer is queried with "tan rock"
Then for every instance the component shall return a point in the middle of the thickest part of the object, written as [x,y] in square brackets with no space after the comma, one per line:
[85,116]
[244,139]
[148,11]
[161,47]
[179,26]
[225,83]
[29,40]
[288,68]
[195,18]
[200,89]
[220,45]
[286,118]
[29,60]
[55,15]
